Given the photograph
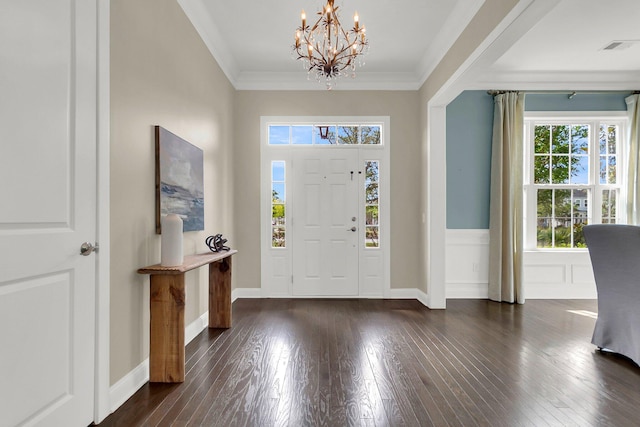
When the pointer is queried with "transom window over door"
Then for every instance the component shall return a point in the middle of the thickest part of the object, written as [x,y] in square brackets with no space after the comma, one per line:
[572,178]
[325,134]
[325,190]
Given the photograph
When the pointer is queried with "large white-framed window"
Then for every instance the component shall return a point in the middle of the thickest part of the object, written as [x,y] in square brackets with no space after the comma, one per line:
[572,176]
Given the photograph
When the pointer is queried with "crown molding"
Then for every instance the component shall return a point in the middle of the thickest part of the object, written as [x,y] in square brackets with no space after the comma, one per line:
[299,81]
[558,80]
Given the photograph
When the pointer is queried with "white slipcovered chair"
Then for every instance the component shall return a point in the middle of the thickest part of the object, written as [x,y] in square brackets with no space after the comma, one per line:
[615,257]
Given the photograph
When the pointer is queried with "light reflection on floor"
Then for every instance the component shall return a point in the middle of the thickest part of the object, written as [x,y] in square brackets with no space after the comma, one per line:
[584,313]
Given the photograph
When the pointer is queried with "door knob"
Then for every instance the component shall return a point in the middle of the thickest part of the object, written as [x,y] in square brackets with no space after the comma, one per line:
[352,229]
[87,249]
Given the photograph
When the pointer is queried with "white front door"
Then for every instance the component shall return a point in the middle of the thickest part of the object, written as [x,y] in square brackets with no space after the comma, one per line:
[325,220]
[47,210]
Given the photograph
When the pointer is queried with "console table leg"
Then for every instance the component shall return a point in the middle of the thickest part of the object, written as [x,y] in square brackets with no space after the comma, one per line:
[166,353]
[220,294]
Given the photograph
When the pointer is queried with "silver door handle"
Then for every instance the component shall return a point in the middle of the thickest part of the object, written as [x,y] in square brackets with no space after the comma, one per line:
[352,229]
[87,249]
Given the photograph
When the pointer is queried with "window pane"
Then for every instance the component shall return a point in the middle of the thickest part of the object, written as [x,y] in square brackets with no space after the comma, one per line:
[578,235]
[372,240]
[542,138]
[560,169]
[277,214]
[613,167]
[371,172]
[612,138]
[278,135]
[608,169]
[278,237]
[562,219]
[580,206]
[347,134]
[580,139]
[372,194]
[609,197]
[277,192]
[277,171]
[370,134]
[603,137]
[372,215]
[580,216]
[544,219]
[580,170]
[302,135]
[328,131]
[544,203]
[560,139]
[541,169]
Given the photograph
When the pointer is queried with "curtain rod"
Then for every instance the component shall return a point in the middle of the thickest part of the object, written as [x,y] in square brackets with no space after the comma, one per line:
[571,93]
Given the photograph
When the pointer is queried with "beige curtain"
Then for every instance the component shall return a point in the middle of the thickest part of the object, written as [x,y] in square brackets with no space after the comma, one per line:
[633,170]
[505,221]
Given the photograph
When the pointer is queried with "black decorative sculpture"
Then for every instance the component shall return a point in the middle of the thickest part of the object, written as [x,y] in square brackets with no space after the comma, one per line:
[216,243]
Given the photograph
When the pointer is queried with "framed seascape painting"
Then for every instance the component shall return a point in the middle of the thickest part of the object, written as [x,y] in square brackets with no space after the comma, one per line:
[179,180]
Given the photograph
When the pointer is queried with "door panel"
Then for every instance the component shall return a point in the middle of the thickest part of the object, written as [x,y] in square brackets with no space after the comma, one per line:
[325,252]
[48,175]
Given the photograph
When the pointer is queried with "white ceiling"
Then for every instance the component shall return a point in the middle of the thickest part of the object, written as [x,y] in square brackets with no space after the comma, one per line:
[251,40]
[571,37]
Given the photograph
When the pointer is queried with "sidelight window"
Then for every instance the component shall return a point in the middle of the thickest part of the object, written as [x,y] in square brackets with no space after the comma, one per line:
[278,197]
[372,204]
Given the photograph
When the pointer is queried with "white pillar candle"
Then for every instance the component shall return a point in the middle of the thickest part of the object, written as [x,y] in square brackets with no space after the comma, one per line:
[171,241]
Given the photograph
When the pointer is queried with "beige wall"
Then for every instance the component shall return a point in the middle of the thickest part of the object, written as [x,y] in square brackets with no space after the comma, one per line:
[401,106]
[161,74]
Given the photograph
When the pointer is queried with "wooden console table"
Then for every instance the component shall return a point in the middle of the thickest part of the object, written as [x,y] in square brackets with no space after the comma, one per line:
[166,352]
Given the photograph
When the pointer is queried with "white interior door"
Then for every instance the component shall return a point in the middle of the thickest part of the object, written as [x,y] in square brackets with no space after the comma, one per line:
[325,222]
[47,209]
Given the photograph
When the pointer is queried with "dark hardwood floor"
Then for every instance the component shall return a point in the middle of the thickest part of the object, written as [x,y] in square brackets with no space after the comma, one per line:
[378,363]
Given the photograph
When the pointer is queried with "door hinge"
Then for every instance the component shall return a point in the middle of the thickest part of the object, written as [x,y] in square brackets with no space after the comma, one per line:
[292,278]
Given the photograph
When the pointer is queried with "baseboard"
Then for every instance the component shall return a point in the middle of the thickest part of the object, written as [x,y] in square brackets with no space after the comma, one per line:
[194,328]
[402,293]
[409,293]
[468,290]
[128,385]
[422,297]
[245,293]
[121,391]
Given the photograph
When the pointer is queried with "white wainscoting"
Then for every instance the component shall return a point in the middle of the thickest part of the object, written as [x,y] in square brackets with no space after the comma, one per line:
[547,275]
[565,275]
[467,261]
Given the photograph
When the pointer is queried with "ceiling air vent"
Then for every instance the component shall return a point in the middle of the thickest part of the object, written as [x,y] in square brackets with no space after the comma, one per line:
[620,44]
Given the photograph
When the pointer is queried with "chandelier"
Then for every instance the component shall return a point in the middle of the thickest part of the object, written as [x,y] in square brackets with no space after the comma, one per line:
[328,50]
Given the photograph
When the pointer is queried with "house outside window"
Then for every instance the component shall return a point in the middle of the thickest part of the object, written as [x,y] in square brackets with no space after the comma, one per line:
[572,176]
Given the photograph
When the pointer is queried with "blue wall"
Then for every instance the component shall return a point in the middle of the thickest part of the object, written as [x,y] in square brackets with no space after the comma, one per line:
[469,130]
[580,102]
